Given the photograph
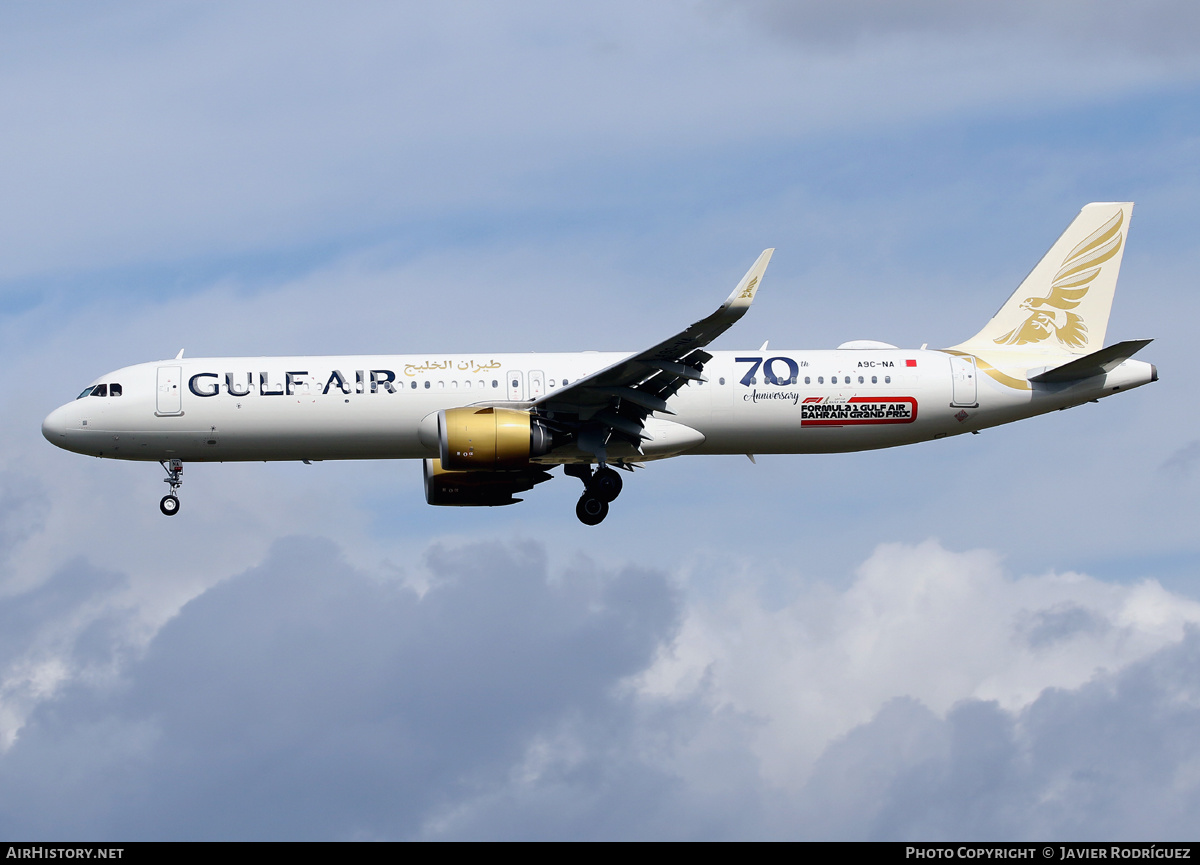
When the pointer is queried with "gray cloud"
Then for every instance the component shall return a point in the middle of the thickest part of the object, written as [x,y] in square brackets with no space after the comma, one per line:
[302,699]
[1183,460]
[1061,622]
[23,508]
[306,699]
[1114,759]
[1167,28]
[158,134]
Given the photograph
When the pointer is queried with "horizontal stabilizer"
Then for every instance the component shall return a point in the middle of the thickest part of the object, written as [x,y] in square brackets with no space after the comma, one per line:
[1096,363]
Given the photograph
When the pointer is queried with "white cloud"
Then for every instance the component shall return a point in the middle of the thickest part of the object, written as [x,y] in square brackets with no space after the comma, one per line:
[917,622]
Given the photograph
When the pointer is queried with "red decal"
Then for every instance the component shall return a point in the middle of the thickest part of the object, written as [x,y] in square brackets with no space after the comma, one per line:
[910,362]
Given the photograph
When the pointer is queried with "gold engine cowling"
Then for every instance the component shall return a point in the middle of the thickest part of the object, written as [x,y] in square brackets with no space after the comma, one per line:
[490,439]
[478,488]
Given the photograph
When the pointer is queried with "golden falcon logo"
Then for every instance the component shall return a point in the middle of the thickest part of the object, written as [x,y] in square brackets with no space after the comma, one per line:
[1051,315]
[748,291]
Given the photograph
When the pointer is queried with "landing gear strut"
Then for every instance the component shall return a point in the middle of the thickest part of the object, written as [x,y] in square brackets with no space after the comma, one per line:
[599,489]
[170,502]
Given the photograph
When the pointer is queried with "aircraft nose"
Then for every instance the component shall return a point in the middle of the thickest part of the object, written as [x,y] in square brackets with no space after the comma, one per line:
[54,427]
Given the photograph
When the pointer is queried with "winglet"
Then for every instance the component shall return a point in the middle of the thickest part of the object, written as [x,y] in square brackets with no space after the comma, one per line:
[743,295]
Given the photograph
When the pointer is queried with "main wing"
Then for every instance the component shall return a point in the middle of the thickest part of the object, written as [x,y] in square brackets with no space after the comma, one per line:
[615,401]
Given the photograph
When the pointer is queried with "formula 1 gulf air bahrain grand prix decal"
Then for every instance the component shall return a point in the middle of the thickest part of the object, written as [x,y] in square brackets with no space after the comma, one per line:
[838,411]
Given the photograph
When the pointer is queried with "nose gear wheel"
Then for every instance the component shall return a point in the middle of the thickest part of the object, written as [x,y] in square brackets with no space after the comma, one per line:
[169,504]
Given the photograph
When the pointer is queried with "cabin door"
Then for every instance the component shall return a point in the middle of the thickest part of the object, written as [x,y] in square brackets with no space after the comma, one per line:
[169,393]
[962,372]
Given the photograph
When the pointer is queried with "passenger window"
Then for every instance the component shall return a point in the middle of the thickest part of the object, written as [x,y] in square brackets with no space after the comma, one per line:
[114,390]
[516,383]
[860,379]
[427,385]
[807,380]
[820,379]
[495,383]
[564,382]
[414,385]
[100,390]
[874,379]
[86,392]
[551,382]
[887,379]
[721,379]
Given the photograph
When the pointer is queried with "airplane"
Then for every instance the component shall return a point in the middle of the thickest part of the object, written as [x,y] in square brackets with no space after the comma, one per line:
[490,426]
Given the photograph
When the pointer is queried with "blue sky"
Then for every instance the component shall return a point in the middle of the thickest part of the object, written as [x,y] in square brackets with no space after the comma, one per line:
[882,645]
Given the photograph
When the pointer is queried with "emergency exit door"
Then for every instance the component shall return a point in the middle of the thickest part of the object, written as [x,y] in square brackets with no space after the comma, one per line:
[515,382]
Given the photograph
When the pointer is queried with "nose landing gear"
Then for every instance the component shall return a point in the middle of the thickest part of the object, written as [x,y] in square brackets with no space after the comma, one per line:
[170,502]
[599,489]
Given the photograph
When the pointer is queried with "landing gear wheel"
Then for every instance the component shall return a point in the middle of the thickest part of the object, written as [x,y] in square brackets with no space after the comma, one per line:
[591,510]
[169,505]
[605,484]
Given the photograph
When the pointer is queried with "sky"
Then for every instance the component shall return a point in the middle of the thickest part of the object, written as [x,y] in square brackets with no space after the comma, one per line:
[991,637]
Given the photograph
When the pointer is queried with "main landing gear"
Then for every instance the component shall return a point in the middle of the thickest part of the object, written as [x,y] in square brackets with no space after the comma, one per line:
[170,502]
[599,488]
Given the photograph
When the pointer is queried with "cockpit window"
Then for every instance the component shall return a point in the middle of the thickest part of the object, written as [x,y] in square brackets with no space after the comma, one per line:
[100,390]
[114,389]
[86,391]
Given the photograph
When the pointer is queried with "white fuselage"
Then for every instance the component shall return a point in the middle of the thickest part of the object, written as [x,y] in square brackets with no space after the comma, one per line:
[379,406]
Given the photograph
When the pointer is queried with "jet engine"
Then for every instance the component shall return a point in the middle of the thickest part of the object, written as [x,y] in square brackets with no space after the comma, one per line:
[490,439]
[479,488]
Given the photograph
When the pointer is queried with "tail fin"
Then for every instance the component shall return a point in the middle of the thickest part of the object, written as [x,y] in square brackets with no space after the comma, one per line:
[1062,306]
